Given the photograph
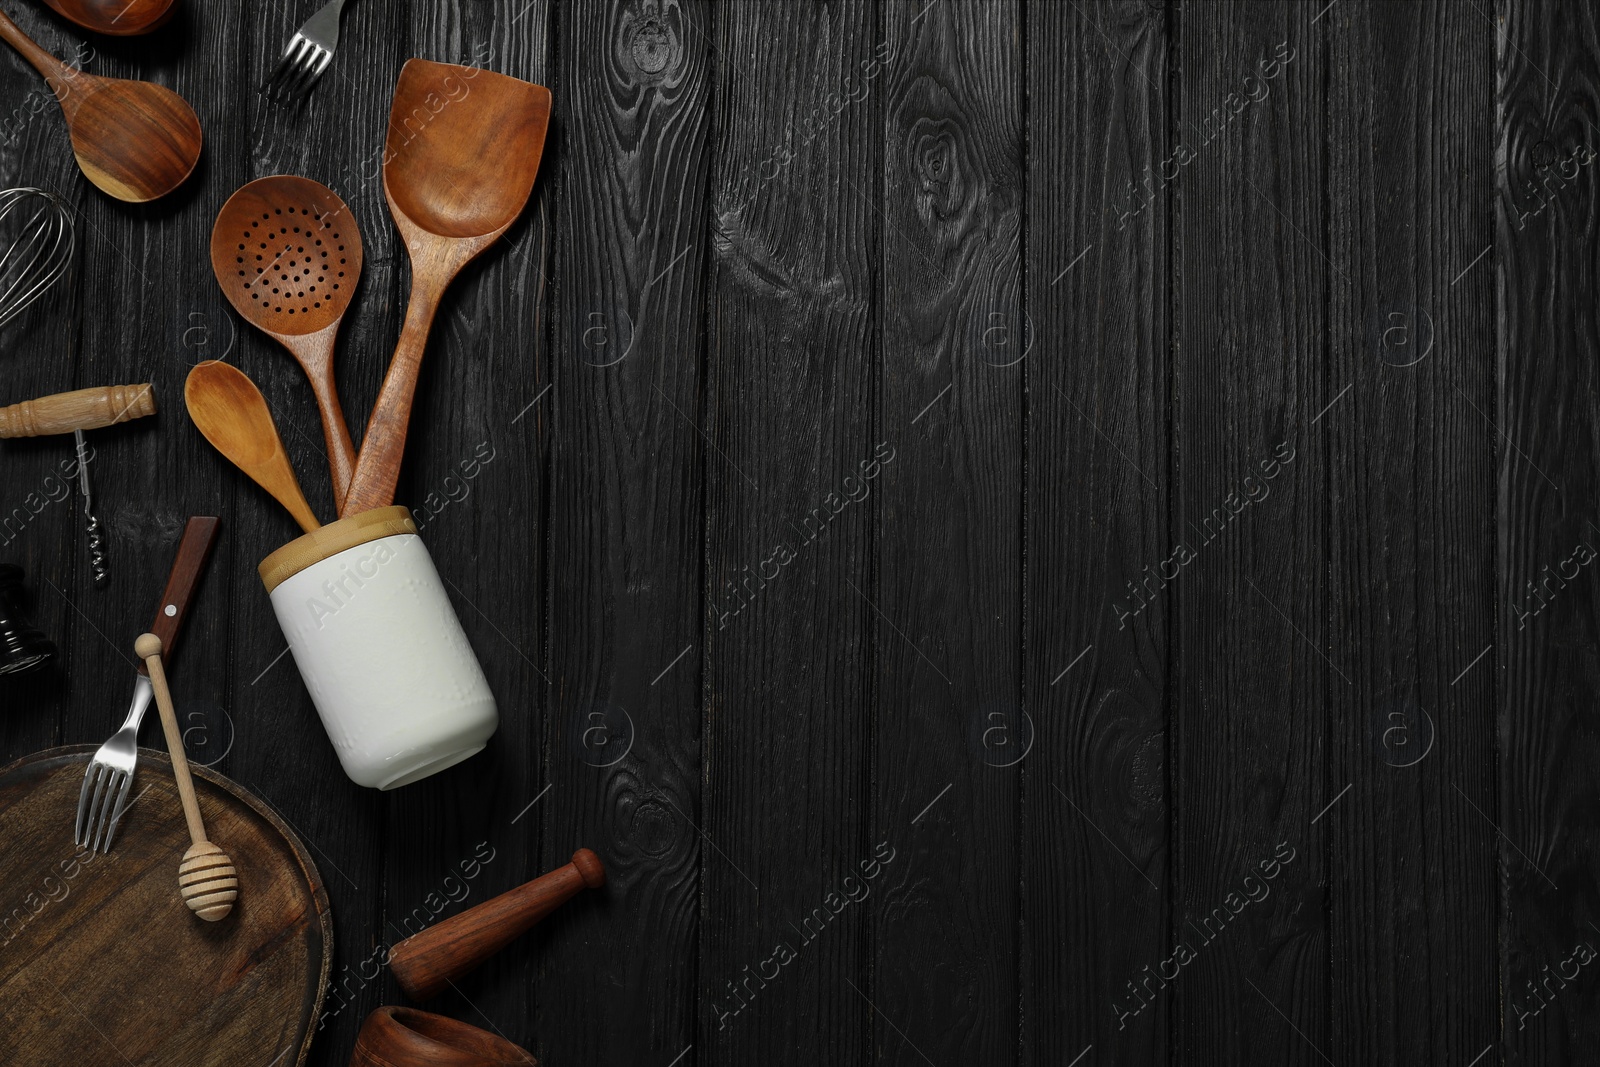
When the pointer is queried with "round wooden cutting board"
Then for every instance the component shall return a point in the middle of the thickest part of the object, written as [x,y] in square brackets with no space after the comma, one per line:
[101,962]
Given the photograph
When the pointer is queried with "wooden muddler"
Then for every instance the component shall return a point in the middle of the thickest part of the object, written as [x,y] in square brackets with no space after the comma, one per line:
[81,409]
[206,877]
[424,964]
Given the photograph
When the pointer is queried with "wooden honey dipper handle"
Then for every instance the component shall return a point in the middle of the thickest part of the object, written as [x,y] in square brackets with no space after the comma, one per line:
[424,964]
[81,409]
[206,876]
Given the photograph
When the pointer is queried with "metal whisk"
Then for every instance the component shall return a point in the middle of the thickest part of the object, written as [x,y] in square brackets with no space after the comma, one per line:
[36,241]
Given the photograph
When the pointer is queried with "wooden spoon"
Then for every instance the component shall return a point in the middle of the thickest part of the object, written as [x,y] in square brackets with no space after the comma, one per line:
[232,414]
[287,254]
[134,140]
[115,18]
[459,163]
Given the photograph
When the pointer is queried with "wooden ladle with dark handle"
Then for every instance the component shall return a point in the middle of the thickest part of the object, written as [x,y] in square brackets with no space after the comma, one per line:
[462,152]
[115,18]
[287,254]
[135,140]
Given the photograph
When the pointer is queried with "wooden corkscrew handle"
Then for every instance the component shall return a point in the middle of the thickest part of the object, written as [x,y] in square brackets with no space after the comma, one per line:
[424,964]
[81,409]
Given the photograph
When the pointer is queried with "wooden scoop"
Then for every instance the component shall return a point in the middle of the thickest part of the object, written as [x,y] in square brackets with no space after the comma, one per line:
[134,140]
[424,964]
[232,414]
[115,18]
[462,152]
[287,254]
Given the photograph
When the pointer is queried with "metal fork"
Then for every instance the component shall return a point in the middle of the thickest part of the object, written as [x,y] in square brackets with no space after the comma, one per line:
[104,796]
[308,55]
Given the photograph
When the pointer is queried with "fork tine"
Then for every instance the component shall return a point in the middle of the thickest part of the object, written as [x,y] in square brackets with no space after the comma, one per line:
[305,77]
[101,840]
[90,774]
[97,805]
[288,63]
[116,812]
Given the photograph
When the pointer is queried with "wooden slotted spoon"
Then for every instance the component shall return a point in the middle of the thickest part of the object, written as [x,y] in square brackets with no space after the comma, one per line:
[135,140]
[459,163]
[231,413]
[287,254]
[116,18]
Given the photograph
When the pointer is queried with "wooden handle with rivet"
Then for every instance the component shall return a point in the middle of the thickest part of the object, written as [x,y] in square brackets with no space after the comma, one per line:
[81,409]
[426,963]
[206,877]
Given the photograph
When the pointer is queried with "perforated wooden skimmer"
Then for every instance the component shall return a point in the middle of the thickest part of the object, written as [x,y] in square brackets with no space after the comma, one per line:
[287,254]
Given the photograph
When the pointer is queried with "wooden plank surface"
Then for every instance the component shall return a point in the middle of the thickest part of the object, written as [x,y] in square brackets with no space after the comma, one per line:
[626,528]
[1095,802]
[479,458]
[1547,85]
[1253,673]
[788,644]
[946,595]
[1084,268]
[1412,927]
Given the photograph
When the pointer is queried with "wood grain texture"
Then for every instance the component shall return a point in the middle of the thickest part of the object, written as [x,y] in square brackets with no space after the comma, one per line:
[102,961]
[787,642]
[445,120]
[477,467]
[946,595]
[1253,672]
[1547,210]
[1095,806]
[41,522]
[626,527]
[1412,922]
[279,744]
[764,239]
[135,140]
[77,409]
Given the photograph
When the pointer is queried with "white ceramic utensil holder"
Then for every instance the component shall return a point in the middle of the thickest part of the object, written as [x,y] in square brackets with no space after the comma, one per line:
[380,648]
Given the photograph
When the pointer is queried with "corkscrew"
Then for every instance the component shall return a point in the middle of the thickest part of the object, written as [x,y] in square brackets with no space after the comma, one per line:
[75,412]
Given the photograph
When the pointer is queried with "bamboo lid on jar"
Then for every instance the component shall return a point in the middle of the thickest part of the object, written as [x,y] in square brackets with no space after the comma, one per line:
[332,539]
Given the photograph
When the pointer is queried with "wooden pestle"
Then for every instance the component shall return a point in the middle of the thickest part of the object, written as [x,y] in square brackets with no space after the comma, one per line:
[81,409]
[425,963]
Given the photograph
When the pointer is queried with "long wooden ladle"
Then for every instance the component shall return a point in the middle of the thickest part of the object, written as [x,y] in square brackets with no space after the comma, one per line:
[287,254]
[231,413]
[115,18]
[135,140]
[459,163]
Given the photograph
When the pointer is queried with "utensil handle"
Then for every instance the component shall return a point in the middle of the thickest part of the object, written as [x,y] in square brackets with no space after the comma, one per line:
[336,435]
[199,534]
[383,445]
[148,649]
[41,61]
[81,409]
[425,963]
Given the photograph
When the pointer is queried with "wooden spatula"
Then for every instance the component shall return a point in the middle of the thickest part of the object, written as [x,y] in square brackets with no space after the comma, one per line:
[454,185]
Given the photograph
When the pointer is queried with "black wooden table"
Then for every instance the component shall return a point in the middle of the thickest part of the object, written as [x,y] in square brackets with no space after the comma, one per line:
[1043,533]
